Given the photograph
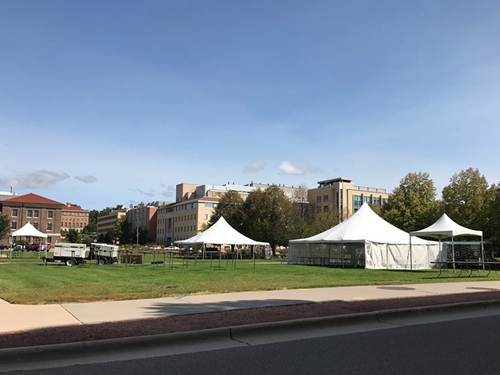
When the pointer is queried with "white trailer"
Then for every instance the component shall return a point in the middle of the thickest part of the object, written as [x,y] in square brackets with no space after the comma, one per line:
[69,253]
[104,253]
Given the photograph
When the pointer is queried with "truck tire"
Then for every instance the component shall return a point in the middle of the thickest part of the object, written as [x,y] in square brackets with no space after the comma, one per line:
[102,261]
[69,262]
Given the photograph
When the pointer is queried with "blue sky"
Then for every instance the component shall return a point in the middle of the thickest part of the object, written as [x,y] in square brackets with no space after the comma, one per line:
[115,102]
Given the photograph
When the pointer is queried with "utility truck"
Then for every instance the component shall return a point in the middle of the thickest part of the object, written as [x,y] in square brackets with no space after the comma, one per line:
[69,253]
[103,253]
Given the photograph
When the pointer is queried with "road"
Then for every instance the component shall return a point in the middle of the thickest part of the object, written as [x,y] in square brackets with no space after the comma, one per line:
[452,347]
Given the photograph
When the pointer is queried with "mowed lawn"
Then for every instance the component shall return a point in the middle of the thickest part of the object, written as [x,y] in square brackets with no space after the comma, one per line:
[27,281]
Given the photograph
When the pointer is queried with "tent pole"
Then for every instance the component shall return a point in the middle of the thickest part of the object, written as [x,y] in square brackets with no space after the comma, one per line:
[453,252]
[411,258]
[482,251]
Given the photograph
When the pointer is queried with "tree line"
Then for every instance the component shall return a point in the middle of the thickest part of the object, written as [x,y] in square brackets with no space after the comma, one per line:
[270,216]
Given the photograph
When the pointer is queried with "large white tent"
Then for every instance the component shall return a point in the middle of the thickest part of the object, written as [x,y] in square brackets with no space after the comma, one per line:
[445,227]
[28,230]
[221,233]
[364,239]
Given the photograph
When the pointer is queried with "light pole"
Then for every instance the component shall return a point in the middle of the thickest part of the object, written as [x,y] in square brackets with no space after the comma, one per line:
[137,225]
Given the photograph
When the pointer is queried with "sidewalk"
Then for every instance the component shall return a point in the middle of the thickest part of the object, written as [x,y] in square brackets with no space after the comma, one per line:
[14,318]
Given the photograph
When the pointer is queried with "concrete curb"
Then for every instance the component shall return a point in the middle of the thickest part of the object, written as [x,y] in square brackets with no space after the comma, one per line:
[100,347]
[45,353]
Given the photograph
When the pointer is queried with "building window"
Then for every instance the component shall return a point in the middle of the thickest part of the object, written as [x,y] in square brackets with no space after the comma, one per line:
[325,208]
[205,216]
[377,201]
[35,225]
[318,199]
[50,214]
[209,205]
[14,212]
[357,202]
[29,213]
[367,199]
[194,205]
[36,213]
[13,225]
[325,198]
[385,200]
[49,226]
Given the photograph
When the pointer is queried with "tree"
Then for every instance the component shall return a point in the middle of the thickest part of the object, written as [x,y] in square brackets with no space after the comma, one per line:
[302,213]
[412,205]
[123,230]
[491,224]
[230,207]
[72,236]
[91,227]
[267,216]
[465,198]
[4,226]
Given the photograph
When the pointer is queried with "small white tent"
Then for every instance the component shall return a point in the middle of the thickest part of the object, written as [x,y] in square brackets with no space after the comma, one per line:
[364,239]
[221,233]
[444,227]
[28,230]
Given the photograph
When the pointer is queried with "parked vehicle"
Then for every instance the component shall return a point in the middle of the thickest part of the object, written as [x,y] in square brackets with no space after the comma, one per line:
[69,253]
[103,253]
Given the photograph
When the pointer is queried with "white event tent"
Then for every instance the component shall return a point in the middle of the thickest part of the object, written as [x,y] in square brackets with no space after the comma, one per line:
[364,239]
[28,230]
[445,227]
[221,233]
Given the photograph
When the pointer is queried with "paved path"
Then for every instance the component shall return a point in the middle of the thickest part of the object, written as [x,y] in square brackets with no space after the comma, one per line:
[26,317]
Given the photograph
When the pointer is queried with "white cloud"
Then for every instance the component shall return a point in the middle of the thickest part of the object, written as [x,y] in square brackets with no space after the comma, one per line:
[298,169]
[86,179]
[35,180]
[255,167]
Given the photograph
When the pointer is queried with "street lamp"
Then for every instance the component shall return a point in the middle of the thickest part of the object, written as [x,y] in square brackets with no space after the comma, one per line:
[137,225]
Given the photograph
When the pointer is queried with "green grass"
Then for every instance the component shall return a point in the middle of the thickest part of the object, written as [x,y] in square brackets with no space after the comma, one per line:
[27,281]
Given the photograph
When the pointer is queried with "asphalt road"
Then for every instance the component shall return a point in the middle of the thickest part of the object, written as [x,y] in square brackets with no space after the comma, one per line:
[454,347]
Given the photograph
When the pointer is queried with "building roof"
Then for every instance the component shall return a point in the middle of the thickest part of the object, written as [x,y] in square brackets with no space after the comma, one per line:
[195,200]
[32,199]
[73,208]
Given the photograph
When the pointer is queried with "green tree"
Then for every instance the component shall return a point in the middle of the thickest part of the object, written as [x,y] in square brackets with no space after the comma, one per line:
[230,207]
[267,216]
[4,226]
[413,204]
[122,231]
[72,236]
[91,227]
[302,213]
[491,224]
[465,198]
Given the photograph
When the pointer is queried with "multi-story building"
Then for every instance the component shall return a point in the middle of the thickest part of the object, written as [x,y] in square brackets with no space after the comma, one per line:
[6,195]
[106,223]
[194,206]
[43,213]
[144,217]
[341,196]
[74,217]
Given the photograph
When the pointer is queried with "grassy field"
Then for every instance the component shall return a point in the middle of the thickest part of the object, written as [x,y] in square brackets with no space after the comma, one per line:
[27,281]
